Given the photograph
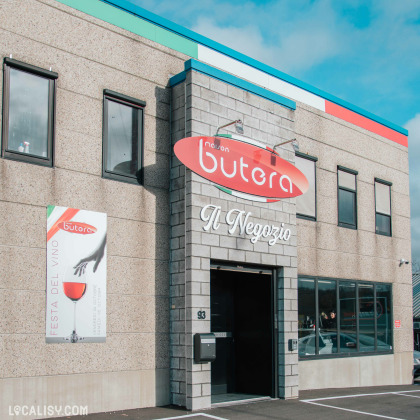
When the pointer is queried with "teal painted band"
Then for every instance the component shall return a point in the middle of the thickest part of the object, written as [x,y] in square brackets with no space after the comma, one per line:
[240,83]
[118,16]
[151,17]
[178,78]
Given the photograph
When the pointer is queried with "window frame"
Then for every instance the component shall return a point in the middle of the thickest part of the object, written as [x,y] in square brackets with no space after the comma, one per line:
[314,160]
[357,353]
[9,63]
[388,184]
[355,173]
[109,95]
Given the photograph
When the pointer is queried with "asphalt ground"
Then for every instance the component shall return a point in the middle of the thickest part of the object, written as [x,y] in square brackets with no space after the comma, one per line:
[387,402]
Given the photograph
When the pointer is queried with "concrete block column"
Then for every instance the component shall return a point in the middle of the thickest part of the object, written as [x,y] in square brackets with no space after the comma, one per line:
[178,308]
[190,272]
[201,104]
[287,330]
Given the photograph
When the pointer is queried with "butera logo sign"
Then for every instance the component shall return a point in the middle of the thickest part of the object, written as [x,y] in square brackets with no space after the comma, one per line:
[242,167]
[77,227]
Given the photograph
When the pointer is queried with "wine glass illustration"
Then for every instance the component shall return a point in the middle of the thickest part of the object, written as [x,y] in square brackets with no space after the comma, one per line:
[74,287]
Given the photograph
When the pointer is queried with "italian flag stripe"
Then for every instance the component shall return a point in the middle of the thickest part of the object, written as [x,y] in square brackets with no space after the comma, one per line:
[67,215]
[249,141]
[50,209]
[225,190]
[247,196]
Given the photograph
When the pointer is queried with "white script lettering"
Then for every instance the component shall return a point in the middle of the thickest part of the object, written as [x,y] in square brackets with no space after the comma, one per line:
[238,220]
[211,215]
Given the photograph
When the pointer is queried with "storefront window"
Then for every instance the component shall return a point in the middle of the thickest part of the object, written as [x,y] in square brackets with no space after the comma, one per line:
[123,130]
[306,317]
[348,323]
[358,320]
[28,113]
[327,298]
[306,203]
[384,317]
[366,318]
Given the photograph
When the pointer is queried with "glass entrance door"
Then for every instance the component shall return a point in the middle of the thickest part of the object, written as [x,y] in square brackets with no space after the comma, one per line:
[242,319]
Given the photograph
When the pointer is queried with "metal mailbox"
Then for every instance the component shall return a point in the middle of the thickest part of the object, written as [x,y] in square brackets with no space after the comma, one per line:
[293,344]
[204,347]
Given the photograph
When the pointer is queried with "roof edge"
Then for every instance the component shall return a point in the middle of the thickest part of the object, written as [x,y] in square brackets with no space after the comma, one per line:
[144,14]
[232,80]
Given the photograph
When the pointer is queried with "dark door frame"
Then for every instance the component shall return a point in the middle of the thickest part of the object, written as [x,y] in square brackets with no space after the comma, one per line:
[273,273]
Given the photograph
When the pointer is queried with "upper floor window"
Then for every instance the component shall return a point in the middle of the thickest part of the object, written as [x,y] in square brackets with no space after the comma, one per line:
[383,207]
[306,203]
[122,137]
[347,198]
[28,112]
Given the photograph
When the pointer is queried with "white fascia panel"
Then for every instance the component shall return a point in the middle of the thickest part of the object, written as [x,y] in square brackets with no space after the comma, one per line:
[232,66]
[253,75]
[295,93]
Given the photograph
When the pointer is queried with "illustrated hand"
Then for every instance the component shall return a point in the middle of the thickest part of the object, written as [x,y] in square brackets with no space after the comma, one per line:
[97,255]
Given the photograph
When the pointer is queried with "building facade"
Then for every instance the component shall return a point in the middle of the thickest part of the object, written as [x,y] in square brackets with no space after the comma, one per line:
[304,292]
[416,310]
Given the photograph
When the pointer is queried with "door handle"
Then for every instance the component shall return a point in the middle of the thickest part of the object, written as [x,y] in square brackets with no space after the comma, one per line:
[224,334]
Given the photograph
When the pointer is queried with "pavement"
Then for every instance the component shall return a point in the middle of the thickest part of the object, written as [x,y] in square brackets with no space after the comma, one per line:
[400,402]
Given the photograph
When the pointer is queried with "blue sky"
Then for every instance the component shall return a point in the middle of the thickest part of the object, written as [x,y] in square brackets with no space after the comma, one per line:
[366,52]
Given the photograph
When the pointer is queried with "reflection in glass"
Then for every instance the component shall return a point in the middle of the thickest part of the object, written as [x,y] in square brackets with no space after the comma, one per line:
[347,207]
[28,113]
[366,318]
[348,325]
[364,314]
[383,224]
[123,135]
[306,203]
[384,323]
[327,295]
[383,198]
[347,180]
[306,317]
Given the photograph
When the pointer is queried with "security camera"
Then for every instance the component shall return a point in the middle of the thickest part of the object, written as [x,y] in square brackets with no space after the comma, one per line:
[403,261]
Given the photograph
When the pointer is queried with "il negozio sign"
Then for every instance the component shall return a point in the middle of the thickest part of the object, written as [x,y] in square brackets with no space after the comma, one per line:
[242,167]
[239,220]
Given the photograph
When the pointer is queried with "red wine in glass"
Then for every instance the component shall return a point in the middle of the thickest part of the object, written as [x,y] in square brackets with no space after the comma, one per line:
[74,291]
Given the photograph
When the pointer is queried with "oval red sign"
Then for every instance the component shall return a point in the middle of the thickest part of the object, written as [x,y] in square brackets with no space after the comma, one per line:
[77,227]
[241,166]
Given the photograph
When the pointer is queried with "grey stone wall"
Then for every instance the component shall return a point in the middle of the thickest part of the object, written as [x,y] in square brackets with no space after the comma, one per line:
[208,104]
[132,368]
[178,321]
[324,249]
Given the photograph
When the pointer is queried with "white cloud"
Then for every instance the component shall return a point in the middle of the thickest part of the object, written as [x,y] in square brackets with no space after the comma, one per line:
[291,52]
[365,52]
[302,36]
[247,40]
[413,127]
[275,33]
[289,35]
[353,45]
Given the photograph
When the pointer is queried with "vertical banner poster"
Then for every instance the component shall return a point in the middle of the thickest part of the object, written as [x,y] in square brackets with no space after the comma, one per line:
[76,276]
